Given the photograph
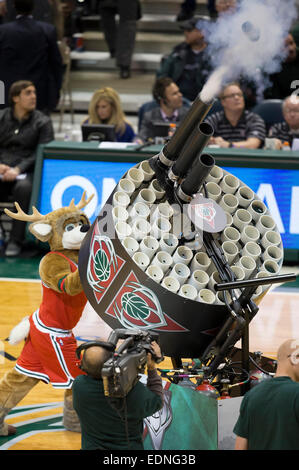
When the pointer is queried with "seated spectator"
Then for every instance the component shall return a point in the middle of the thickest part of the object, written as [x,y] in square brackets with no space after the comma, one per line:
[188,64]
[171,108]
[287,79]
[235,126]
[105,108]
[23,128]
[289,129]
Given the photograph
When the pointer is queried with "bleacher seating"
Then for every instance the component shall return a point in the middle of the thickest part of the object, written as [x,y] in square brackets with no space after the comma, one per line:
[157,33]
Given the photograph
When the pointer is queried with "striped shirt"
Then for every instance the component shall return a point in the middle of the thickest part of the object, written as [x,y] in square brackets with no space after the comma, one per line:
[249,125]
[282,131]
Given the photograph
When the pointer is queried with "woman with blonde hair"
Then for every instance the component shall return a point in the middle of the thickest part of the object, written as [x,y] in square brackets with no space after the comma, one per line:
[105,108]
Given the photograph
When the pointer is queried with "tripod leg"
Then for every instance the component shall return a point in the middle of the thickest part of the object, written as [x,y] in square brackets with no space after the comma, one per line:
[245,349]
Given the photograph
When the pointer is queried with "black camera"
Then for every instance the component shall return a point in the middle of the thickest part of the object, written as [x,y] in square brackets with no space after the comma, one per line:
[120,372]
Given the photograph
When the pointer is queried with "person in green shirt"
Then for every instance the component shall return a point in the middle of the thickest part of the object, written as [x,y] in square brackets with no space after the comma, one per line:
[269,413]
[114,424]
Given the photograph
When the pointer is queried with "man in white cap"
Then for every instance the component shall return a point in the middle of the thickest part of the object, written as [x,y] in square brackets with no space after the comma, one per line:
[188,64]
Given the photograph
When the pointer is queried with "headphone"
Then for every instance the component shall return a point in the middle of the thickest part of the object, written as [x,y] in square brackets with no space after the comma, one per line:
[159,89]
[158,98]
[108,346]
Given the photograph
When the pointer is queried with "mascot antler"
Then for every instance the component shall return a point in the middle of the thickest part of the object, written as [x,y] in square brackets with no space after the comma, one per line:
[20,214]
[82,203]
[50,227]
[36,215]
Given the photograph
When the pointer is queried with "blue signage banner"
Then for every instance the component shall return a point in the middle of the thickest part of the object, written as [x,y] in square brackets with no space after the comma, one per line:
[63,180]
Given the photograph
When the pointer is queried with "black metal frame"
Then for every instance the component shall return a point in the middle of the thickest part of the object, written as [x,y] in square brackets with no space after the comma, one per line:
[242,312]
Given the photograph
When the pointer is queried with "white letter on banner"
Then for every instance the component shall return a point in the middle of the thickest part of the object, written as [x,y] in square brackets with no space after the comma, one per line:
[74,180]
[108,186]
[294,219]
[266,194]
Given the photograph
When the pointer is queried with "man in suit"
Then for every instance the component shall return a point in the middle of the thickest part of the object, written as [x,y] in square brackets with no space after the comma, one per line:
[120,37]
[50,11]
[169,109]
[29,51]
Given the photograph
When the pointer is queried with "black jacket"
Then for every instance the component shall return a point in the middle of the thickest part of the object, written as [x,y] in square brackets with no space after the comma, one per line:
[19,140]
[29,51]
[174,66]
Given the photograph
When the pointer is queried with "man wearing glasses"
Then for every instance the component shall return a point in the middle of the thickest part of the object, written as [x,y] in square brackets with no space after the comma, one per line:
[234,126]
[288,130]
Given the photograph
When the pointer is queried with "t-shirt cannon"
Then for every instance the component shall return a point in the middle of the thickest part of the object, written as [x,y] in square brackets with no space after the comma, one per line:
[184,248]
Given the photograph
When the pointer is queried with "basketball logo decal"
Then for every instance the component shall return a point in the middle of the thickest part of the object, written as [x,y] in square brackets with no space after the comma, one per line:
[136,306]
[206,212]
[103,265]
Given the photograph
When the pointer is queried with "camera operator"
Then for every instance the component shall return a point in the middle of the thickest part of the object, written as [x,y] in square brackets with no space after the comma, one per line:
[114,424]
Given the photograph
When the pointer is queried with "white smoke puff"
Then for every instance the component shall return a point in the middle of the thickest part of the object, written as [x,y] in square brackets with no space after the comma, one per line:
[233,54]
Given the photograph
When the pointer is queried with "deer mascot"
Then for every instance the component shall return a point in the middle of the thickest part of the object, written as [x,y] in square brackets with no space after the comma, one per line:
[49,350]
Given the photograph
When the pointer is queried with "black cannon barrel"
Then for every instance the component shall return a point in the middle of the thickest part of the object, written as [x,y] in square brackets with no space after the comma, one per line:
[256,282]
[192,148]
[197,175]
[195,115]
